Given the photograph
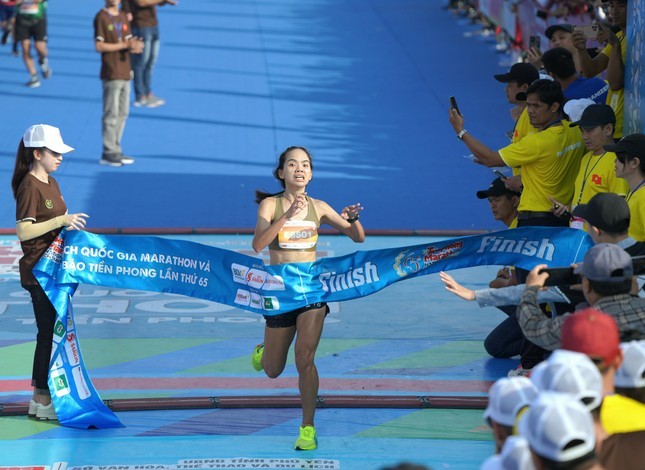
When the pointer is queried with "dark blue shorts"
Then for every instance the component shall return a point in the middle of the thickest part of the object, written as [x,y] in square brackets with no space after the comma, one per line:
[285,320]
[7,12]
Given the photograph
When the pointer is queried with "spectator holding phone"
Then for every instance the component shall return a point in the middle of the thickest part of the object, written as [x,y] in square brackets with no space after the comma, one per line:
[549,158]
[607,282]
[612,58]
[597,169]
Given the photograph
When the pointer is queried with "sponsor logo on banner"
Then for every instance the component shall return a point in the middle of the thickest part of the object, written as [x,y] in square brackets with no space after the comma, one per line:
[79,382]
[336,282]
[405,264]
[71,348]
[59,330]
[239,273]
[271,303]
[255,278]
[58,362]
[273,283]
[61,382]
[256,301]
[55,251]
[243,297]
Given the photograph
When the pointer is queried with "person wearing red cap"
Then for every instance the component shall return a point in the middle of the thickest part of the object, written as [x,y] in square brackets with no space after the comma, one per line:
[595,334]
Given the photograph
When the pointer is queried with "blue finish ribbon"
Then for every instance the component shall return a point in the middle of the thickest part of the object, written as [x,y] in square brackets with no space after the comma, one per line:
[231,278]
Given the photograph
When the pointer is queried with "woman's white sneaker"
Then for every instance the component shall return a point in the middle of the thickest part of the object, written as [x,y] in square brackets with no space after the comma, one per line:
[46,413]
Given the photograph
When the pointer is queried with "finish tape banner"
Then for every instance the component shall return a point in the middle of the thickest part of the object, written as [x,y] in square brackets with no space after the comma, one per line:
[227,277]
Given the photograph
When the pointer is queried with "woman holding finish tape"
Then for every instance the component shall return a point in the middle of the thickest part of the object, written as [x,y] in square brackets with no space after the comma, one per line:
[41,214]
[280,216]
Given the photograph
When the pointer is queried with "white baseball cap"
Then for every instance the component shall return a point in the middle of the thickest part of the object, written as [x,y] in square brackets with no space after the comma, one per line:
[507,397]
[43,135]
[631,374]
[515,455]
[558,427]
[573,373]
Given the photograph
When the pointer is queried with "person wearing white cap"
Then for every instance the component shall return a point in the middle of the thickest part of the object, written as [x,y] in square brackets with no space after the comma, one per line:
[560,432]
[41,213]
[515,455]
[627,410]
[507,399]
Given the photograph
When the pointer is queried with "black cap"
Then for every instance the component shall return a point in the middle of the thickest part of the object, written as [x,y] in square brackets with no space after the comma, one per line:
[607,211]
[558,27]
[596,115]
[496,188]
[521,73]
[632,145]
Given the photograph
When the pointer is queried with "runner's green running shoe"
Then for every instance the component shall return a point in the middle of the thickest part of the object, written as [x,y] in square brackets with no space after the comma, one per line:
[256,358]
[307,439]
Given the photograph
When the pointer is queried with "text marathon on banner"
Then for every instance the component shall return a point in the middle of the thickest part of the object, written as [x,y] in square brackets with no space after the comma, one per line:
[227,277]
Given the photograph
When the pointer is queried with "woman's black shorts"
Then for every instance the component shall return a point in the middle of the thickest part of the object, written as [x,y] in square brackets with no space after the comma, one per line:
[285,320]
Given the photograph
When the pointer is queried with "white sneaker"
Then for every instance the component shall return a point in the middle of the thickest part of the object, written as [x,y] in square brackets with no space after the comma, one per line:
[46,413]
[34,82]
[33,408]
[520,372]
[154,101]
[45,69]
[126,160]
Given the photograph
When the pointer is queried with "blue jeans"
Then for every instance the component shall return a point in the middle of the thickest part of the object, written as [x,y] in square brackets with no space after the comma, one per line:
[142,64]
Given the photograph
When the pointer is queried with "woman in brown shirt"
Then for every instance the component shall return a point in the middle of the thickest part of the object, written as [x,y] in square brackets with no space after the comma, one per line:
[41,213]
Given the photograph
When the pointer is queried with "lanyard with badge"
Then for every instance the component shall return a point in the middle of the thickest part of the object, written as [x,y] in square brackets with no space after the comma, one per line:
[116,25]
[577,222]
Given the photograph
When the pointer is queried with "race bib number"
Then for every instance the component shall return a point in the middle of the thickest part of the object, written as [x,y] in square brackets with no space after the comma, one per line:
[29,7]
[298,235]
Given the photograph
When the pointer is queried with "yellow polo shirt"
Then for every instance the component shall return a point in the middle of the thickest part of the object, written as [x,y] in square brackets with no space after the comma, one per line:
[616,99]
[550,160]
[597,175]
[636,203]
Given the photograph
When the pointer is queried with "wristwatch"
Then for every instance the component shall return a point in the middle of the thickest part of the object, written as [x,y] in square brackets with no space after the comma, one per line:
[461,134]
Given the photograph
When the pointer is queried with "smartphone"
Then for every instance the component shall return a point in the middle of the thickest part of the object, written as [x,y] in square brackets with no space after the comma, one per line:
[534,42]
[561,277]
[589,30]
[639,265]
[453,105]
[565,215]
[542,14]
[500,174]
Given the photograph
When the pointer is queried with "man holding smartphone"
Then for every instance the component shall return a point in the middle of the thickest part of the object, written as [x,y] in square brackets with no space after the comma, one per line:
[549,158]
[612,58]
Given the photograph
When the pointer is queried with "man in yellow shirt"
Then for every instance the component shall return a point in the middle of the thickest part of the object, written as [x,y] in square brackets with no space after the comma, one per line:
[550,158]
[612,58]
